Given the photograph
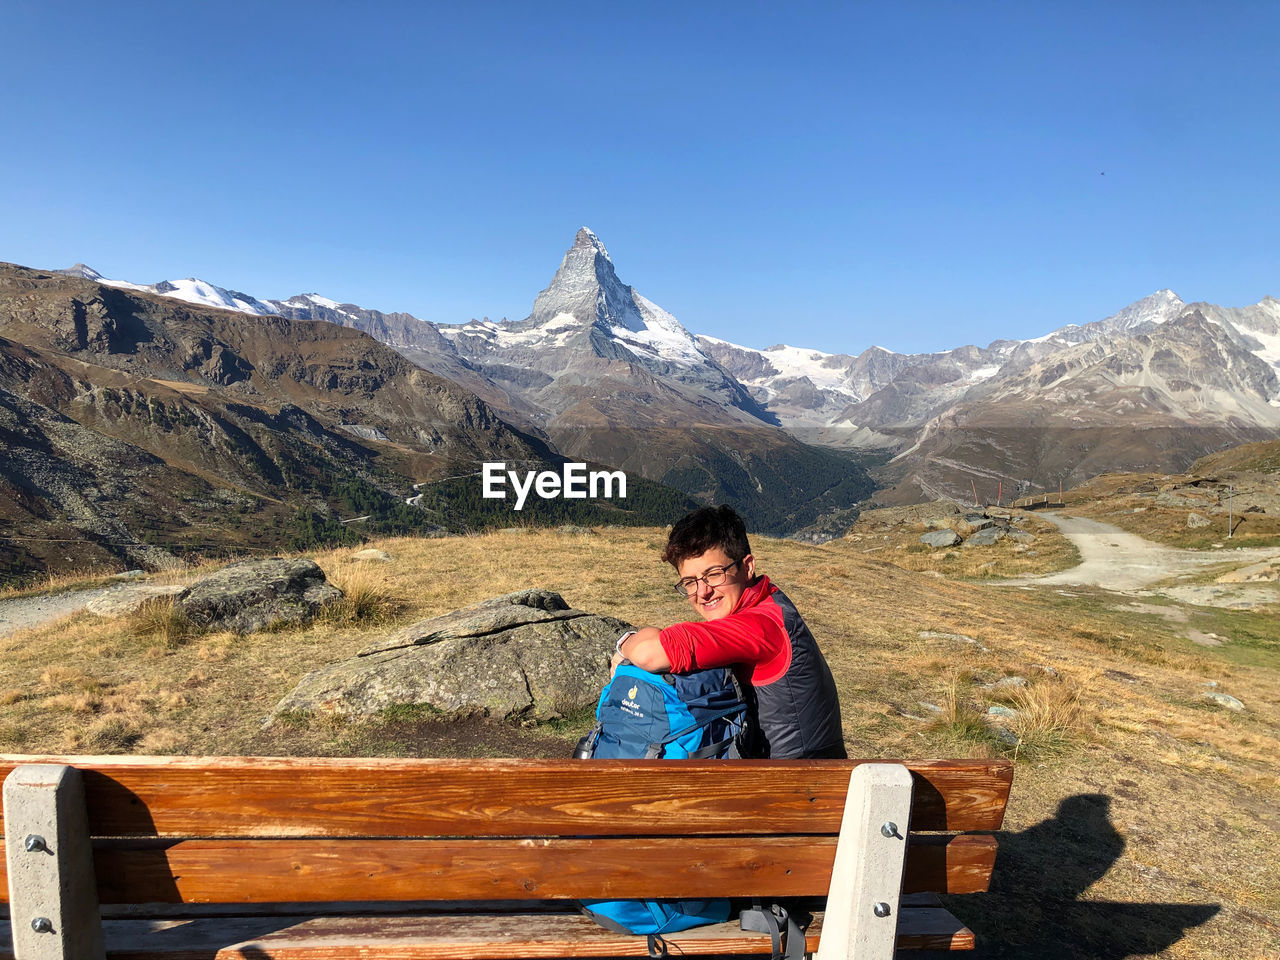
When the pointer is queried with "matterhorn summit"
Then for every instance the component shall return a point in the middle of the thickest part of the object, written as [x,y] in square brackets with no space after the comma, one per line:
[587,289]
[585,316]
[586,297]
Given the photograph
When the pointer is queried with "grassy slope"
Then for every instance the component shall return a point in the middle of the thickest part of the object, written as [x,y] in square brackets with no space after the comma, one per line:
[1163,798]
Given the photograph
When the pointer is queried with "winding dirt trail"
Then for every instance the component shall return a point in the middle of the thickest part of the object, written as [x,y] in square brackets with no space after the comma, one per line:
[23,613]
[1116,560]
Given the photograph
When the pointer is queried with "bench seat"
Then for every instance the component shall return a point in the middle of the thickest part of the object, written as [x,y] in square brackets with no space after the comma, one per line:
[440,932]
[484,860]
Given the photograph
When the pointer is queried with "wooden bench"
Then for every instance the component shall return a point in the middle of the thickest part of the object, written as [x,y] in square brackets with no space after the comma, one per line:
[184,858]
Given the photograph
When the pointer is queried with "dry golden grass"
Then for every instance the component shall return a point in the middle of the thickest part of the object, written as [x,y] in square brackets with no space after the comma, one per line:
[366,595]
[57,582]
[1053,716]
[161,621]
[1169,525]
[1113,704]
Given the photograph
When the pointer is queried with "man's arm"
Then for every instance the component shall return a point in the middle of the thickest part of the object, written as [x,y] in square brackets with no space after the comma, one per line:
[644,649]
[751,638]
[754,640]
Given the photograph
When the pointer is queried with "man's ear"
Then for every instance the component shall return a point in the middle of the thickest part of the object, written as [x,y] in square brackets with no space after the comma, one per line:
[749,565]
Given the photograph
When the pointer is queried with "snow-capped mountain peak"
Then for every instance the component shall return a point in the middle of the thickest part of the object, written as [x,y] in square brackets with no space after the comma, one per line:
[193,290]
[587,288]
[307,301]
[586,238]
[1157,308]
[1160,307]
[82,271]
[190,290]
[587,321]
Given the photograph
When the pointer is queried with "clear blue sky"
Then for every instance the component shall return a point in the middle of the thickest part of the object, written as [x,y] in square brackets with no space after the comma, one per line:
[914,174]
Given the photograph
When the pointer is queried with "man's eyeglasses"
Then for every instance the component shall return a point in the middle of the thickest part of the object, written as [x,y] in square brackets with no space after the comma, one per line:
[688,586]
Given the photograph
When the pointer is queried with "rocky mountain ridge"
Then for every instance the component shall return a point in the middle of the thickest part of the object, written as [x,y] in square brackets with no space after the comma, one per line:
[595,361]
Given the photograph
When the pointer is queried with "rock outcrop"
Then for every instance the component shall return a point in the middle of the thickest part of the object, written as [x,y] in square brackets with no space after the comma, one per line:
[940,538]
[256,594]
[948,525]
[986,536]
[523,654]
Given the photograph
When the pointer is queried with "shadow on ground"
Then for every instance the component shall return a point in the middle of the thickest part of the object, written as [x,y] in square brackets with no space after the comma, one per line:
[1034,910]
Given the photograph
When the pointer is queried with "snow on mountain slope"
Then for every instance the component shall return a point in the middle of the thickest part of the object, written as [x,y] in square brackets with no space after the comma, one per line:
[1257,326]
[826,371]
[1160,307]
[843,400]
[1189,369]
[1157,308]
[207,294]
[189,290]
[661,335]
[307,301]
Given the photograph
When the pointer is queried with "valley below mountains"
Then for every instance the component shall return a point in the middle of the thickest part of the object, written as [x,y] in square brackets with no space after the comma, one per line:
[144,423]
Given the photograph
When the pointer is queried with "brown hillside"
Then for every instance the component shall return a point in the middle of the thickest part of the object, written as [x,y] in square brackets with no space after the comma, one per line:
[135,425]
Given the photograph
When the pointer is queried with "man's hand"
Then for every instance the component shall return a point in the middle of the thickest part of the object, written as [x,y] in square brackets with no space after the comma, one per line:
[644,649]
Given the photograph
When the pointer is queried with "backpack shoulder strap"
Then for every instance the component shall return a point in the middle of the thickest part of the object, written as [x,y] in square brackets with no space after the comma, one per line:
[780,924]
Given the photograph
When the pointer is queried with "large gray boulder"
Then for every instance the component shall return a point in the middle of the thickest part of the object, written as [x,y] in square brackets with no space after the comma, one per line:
[985,537]
[1224,700]
[527,654]
[255,594]
[940,538]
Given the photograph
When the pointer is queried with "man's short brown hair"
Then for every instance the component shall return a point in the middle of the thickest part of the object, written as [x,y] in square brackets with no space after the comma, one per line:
[705,529]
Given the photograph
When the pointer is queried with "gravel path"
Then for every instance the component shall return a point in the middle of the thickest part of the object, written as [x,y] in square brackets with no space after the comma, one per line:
[26,612]
[1111,558]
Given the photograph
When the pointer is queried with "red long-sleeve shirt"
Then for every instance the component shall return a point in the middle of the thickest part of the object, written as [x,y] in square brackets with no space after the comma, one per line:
[753,634]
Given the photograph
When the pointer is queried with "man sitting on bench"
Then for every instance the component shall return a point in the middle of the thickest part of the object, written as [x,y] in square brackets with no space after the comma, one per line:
[748,623]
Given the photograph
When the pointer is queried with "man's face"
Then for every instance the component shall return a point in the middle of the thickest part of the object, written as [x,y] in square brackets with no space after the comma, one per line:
[712,603]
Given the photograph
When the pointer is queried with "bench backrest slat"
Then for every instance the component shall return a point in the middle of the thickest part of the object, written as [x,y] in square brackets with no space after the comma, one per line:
[264,830]
[160,796]
[267,871]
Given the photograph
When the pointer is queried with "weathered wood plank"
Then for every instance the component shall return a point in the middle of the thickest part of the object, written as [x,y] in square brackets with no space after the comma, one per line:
[327,869]
[484,937]
[940,863]
[194,911]
[247,796]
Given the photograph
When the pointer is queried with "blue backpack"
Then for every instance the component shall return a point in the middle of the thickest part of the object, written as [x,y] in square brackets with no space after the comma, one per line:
[643,715]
